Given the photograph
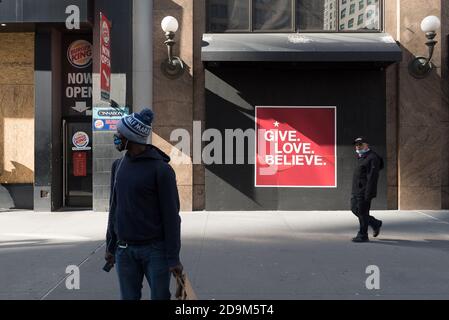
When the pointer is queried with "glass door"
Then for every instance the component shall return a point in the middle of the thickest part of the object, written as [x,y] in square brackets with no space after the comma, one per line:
[78,164]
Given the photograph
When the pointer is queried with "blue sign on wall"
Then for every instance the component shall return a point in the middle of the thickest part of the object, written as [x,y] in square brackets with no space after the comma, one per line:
[107,118]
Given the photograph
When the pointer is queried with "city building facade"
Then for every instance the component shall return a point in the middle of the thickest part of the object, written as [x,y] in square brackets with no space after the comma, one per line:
[345,60]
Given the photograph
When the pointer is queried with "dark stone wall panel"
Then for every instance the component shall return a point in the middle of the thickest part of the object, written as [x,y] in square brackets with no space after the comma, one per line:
[232,92]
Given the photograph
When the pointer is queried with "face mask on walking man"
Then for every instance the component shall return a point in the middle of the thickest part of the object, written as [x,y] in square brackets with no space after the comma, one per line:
[364,188]
[144,229]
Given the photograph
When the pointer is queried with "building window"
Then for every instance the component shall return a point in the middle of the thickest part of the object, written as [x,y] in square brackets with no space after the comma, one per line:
[228,15]
[372,12]
[316,15]
[361,4]
[350,23]
[360,20]
[352,9]
[294,15]
[273,15]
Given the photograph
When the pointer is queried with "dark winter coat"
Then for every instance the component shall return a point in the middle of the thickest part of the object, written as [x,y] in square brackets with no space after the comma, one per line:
[144,205]
[366,175]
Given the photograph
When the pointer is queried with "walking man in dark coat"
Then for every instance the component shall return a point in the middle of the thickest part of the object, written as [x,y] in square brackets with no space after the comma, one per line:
[143,236]
[364,188]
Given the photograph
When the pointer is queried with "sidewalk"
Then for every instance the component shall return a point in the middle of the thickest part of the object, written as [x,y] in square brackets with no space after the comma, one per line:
[238,255]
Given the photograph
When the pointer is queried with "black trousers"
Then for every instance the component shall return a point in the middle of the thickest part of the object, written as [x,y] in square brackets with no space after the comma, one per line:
[361,207]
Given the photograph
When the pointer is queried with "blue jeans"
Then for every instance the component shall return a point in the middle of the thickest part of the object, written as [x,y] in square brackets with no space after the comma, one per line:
[135,262]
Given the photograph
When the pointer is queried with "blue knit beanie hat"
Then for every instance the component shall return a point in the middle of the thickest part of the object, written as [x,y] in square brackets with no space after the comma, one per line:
[137,126]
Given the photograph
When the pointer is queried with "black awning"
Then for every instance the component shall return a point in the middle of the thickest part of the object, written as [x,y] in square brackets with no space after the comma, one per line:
[300,47]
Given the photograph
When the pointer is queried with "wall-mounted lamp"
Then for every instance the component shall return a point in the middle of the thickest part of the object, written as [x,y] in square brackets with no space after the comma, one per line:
[420,67]
[173,67]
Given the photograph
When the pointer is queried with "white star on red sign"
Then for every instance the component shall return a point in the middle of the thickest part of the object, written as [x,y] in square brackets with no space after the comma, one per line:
[276,124]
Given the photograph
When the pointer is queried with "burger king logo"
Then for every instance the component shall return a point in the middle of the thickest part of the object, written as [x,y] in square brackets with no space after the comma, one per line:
[80,140]
[99,124]
[79,54]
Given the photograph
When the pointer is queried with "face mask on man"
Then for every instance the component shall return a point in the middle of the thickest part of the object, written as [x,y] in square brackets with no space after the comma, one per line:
[118,143]
[362,152]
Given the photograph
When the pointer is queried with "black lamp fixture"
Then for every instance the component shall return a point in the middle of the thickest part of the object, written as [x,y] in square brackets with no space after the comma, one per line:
[173,67]
[420,67]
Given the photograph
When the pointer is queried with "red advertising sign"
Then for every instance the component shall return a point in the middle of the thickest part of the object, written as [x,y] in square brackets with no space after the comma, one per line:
[105,66]
[296,147]
[80,164]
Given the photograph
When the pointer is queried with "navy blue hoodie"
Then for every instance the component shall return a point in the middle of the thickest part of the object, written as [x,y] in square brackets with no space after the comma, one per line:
[144,205]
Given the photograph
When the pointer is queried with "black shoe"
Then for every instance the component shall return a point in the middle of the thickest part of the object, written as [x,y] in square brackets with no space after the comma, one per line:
[360,239]
[376,231]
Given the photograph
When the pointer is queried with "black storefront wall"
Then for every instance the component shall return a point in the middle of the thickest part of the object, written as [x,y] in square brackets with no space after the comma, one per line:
[51,106]
[232,91]
[76,108]
[77,76]
[47,18]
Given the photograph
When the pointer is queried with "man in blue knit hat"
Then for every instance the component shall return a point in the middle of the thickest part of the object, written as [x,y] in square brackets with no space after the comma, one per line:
[143,236]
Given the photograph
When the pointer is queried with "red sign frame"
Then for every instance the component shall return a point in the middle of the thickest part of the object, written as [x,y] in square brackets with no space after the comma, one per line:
[79,164]
[105,57]
[296,147]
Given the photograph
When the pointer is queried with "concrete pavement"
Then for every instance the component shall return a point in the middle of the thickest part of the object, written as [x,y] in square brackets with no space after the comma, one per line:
[238,255]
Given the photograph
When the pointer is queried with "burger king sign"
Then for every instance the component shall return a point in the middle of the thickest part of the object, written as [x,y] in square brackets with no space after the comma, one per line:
[79,54]
[80,141]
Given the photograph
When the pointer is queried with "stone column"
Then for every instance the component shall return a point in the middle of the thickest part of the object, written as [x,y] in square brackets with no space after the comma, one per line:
[173,99]
[199,106]
[423,114]
[392,10]
[47,143]
[142,54]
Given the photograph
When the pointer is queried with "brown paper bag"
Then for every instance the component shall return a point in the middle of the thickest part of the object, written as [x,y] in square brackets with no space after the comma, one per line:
[184,290]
